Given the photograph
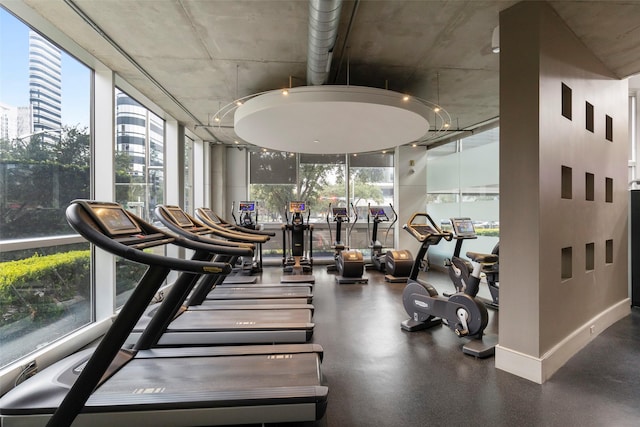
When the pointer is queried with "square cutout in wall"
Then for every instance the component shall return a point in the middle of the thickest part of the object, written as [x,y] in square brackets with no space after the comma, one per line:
[608,190]
[608,252]
[589,186]
[608,126]
[589,116]
[566,101]
[566,262]
[590,256]
[566,184]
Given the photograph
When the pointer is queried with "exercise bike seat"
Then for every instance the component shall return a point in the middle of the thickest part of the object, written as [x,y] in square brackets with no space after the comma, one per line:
[482,258]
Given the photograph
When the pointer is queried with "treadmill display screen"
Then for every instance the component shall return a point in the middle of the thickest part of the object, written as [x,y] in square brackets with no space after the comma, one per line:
[115,220]
[339,211]
[179,217]
[463,227]
[377,211]
[297,207]
[210,215]
[247,206]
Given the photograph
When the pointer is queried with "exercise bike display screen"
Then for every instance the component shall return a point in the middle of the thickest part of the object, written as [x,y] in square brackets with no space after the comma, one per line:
[463,227]
[297,207]
[247,206]
[179,217]
[115,220]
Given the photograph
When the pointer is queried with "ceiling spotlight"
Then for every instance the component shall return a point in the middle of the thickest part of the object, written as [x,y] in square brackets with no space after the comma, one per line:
[285,92]
[216,118]
[238,103]
[495,40]
[447,125]
[414,145]
[436,110]
[384,151]
[405,98]
[236,142]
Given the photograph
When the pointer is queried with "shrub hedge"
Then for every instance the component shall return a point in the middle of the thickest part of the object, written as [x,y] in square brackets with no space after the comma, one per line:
[37,286]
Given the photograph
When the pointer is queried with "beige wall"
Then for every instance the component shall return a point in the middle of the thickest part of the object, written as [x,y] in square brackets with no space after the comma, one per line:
[545,318]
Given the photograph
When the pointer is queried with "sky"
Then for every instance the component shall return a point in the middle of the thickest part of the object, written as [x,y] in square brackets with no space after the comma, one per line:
[14,74]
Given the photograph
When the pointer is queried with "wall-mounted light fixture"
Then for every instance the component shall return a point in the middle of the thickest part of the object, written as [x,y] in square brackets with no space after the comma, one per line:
[495,40]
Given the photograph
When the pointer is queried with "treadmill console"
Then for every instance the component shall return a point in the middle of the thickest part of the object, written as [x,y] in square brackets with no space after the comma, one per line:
[178,216]
[210,215]
[247,206]
[297,207]
[113,219]
[463,228]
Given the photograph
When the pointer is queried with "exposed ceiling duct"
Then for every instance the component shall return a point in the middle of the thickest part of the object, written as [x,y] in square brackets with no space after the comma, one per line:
[324,18]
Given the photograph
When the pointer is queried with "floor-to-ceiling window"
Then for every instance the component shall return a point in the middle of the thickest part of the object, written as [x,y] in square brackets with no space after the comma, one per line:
[45,158]
[188,195]
[463,181]
[371,184]
[139,176]
[275,178]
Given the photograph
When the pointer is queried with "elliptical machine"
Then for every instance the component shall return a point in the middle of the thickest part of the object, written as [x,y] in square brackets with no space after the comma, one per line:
[462,313]
[247,210]
[462,272]
[298,261]
[348,263]
[396,263]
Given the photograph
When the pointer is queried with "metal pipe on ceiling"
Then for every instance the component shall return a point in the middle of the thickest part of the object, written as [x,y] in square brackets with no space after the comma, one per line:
[324,19]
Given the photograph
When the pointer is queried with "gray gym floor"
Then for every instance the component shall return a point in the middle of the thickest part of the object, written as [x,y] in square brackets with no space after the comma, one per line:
[379,375]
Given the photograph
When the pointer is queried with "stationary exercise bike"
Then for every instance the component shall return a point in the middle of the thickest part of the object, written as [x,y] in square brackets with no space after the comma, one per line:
[298,260]
[348,263]
[462,313]
[396,263]
[465,274]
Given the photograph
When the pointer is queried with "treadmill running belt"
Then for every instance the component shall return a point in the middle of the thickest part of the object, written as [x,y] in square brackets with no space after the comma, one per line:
[184,380]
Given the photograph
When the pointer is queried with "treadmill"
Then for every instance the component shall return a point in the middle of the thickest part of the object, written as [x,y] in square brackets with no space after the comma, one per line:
[181,223]
[112,384]
[235,324]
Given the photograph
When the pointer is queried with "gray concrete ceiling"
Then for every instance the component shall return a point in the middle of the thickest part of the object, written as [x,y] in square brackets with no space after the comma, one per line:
[202,54]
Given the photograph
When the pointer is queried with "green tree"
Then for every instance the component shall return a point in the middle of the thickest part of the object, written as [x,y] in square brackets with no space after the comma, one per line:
[39,176]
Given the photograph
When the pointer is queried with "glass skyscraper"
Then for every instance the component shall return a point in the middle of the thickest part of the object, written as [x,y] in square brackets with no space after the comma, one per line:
[45,84]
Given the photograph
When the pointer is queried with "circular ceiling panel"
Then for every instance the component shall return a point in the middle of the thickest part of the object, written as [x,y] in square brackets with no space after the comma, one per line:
[331,119]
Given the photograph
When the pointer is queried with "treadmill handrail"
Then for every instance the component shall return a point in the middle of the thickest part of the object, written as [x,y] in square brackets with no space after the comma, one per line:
[201,233]
[84,224]
[204,218]
[163,214]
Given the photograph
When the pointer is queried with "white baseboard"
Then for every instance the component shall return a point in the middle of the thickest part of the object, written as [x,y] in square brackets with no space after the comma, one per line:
[540,369]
